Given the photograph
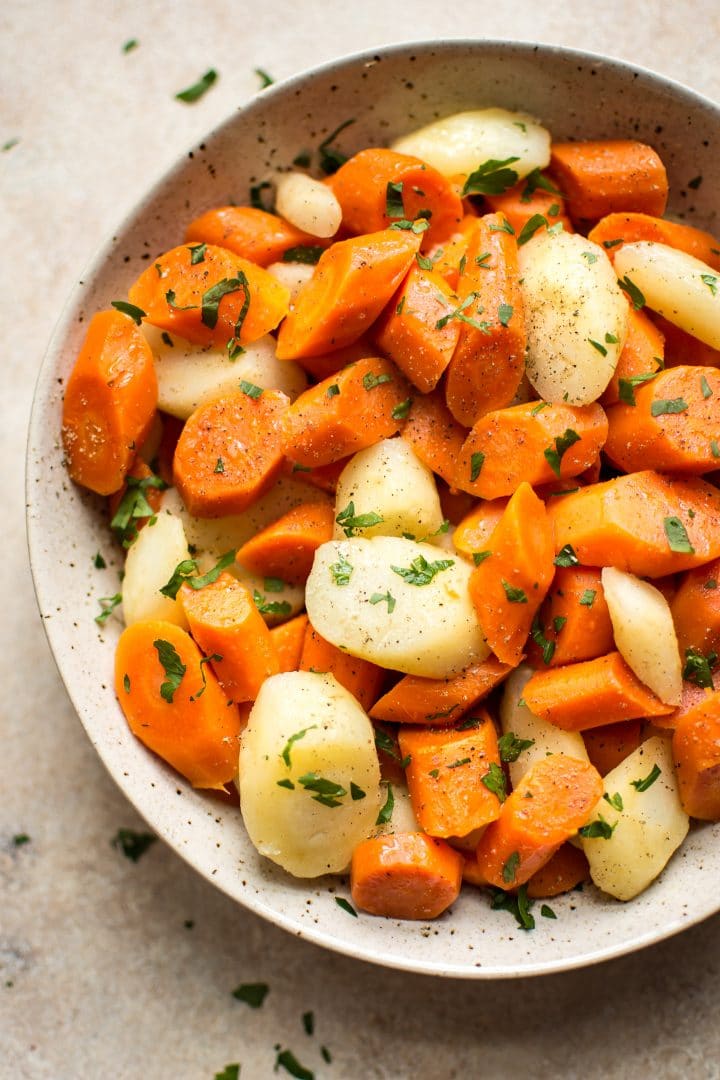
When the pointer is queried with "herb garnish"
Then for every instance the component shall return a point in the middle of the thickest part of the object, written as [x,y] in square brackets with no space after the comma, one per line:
[134,506]
[379,598]
[107,606]
[174,668]
[647,781]
[265,79]
[491,178]
[330,157]
[192,93]
[186,573]
[386,811]
[514,595]
[253,994]
[343,903]
[350,522]
[627,386]
[133,844]
[309,254]
[566,556]
[477,461]
[510,868]
[400,411]
[634,295]
[371,380]
[420,571]
[292,740]
[698,668]
[271,607]
[327,792]
[287,1060]
[562,444]
[136,314]
[668,405]
[341,571]
[599,829]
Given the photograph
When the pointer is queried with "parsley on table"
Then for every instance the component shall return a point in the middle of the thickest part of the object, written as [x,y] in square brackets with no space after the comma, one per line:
[677,536]
[511,747]
[230,1072]
[554,455]
[253,994]
[286,1059]
[133,844]
[265,79]
[196,91]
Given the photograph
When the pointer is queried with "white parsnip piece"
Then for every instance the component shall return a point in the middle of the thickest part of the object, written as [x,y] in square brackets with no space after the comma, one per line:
[307,204]
[293,275]
[149,565]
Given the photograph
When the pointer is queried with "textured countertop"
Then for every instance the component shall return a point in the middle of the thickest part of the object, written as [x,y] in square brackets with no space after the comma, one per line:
[121,969]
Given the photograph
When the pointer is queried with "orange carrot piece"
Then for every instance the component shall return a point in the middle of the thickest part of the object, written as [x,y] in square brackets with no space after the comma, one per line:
[472,535]
[629,523]
[609,176]
[251,233]
[692,695]
[576,630]
[288,639]
[566,869]
[109,404]
[696,751]
[405,876]
[352,283]
[205,302]
[361,188]
[414,700]
[509,446]
[696,610]
[590,694]
[323,477]
[413,333]
[226,624]
[321,367]
[683,348]
[447,257]
[193,727]
[435,436]
[489,359]
[615,230]
[518,207]
[153,495]
[445,775]
[642,354]
[363,679]
[345,413]
[230,452]
[675,423]
[551,802]
[455,505]
[610,744]
[286,548]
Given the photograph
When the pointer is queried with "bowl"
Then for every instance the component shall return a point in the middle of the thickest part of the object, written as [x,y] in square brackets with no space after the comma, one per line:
[385,93]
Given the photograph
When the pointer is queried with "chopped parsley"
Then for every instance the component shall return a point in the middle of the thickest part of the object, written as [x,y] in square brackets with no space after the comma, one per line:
[711,280]
[647,781]
[401,411]
[510,868]
[566,556]
[371,380]
[588,598]
[705,388]
[230,1072]
[634,295]
[342,903]
[668,405]
[518,905]
[308,254]
[538,636]
[136,314]
[210,301]
[511,747]
[271,607]
[173,666]
[505,313]
[292,740]
[308,1022]
[533,181]
[698,668]
[385,743]
[286,1059]
[341,571]
[265,79]
[196,91]
[599,829]
[481,556]
[615,800]
[596,345]
[477,460]
[626,387]
[186,573]
[356,793]
[554,456]
[330,157]
[386,811]
[253,994]
[219,466]
[107,606]
[386,597]
[677,536]
[133,844]
[420,571]
[129,45]
[394,200]
[326,792]
[350,522]
[530,227]
[494,780]
[547,912]
[333,390]
[459,313]
[197,253]
[514,595]
[493,177]
[20,839]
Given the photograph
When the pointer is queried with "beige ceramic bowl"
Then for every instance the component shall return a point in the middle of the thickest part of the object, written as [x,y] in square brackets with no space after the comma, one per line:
[387,93]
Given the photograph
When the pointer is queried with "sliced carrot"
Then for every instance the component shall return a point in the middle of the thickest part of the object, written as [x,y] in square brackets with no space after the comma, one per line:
[363,679]
[610,744]
[218,299]
[683,348]
[288,639]
[414,700]
[251,233]
[642,355]
[352,283]
[405,876]
[446,772]
[551,802]
[414,331]
[565,871]
[474,531]
[361,188]
[674,422]
[320,367]
[323,477]
[286,548]
[535,442]
[177,708]
[489,359]
[637,522]
[574,622]
[520,203]
[454,504]
[617,229]
[696,610]
[450,255]
[345,413]
[226,624]
[692,695]
[508,587]
[609,176]
[230,452]
[109,404]
[590,694]
[696,751]
[435,436]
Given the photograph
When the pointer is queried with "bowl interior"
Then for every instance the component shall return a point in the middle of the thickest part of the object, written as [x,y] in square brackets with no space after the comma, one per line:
[384,94]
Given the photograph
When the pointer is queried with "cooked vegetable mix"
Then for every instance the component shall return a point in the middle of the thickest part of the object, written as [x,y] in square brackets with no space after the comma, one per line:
[417,477]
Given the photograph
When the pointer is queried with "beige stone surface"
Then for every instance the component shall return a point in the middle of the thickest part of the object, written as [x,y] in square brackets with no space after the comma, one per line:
[100,975]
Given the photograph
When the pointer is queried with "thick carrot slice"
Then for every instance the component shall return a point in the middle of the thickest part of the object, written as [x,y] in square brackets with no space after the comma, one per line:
[110,401]
[574,622]
[230,630]
[696,610]
[361,188]
[174,705]
[323,477]
[405,876]
[414,700]
[446,772]
[488,362]
[696,751]
[642,355]
[590,694]
[566,869]
[218,299]
[455,504]
[230,452]
[639,523]
[535,442]
[472,535]
[508,587]
[414,332]
[286,548]
[692,695]
[352,283]
[345,413]
[520,203]
[288,639]
[251,233]
[675,423]
[551,802]
[363,679]
[449,256]
[435,436]
[683,348]
[618,229]
[610,744]
[609,176]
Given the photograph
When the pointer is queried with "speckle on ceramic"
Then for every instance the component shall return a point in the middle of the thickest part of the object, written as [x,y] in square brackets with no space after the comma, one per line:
[385,93]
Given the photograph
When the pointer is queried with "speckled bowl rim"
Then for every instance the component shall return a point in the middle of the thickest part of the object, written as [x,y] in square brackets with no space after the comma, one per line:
[700,906]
